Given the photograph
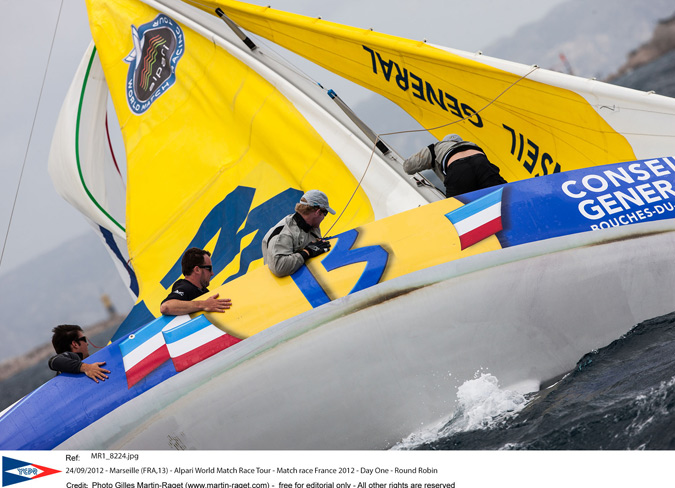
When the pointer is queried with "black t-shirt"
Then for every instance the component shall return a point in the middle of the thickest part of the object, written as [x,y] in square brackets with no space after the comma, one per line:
[185,291]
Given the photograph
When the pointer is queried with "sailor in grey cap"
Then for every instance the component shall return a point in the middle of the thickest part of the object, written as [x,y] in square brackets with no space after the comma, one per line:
[461,165]
[297,237]
[316,198]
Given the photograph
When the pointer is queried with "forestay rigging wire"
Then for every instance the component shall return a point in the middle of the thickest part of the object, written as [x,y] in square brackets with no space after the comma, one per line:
[30,137]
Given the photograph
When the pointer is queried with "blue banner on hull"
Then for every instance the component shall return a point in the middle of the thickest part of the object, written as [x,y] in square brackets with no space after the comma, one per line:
[585,200]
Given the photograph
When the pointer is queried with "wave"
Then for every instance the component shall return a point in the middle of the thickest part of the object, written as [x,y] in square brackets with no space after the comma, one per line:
[619,397]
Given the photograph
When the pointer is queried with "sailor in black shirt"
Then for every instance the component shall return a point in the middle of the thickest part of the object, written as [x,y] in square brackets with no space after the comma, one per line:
[198,271]
[185,290]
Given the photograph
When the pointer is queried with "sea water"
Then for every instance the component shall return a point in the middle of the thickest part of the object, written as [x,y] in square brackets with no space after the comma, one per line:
[619,397]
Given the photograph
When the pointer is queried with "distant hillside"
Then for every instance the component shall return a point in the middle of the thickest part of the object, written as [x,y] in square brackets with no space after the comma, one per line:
[75,281]
[595,44]
[657,76]
[661,43]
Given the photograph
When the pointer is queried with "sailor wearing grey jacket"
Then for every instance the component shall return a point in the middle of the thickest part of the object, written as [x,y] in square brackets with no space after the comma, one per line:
[461,165]
[297,237]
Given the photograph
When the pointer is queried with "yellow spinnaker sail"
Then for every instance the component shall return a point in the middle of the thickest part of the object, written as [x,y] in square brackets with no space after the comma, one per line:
[526,127]
[216,155]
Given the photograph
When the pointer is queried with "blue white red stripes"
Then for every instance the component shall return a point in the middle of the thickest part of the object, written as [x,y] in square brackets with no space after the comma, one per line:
[194,341]
[479,219]
[183,340]
[145,350]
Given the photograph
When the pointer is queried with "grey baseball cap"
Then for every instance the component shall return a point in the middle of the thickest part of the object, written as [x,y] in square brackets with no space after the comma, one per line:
[452,138]
[316,198]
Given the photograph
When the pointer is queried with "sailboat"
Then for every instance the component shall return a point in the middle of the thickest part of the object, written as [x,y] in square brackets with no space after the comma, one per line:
[369,342]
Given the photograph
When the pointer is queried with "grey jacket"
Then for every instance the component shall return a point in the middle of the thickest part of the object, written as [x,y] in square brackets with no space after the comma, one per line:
[444,149]
[281,247]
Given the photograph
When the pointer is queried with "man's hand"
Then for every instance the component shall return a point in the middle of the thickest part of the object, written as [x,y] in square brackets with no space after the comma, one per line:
[95,371]
[215,304]
[316,248]
[211,304]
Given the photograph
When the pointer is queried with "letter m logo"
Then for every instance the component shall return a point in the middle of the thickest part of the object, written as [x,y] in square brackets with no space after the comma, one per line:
[226,220]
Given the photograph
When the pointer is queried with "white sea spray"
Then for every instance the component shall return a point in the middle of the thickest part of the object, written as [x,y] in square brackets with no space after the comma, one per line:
[481,403]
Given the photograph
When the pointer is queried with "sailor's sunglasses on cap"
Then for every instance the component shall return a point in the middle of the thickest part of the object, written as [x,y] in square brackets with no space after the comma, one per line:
[206,266]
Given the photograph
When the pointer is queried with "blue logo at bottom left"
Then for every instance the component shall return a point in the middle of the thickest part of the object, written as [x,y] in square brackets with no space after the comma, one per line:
[15,471]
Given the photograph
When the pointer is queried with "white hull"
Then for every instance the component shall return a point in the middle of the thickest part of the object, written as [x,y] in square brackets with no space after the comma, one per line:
[367,370]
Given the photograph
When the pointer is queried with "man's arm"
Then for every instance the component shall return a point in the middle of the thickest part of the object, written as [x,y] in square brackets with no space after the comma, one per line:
[69,362]
[418,161]
[66,362]
[182,307]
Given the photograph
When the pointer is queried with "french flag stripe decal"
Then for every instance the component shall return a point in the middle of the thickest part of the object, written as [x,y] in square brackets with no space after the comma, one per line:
[195,341]
[479,219]
[145,350]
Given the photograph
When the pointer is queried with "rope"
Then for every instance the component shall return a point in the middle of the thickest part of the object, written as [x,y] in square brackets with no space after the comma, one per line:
[372,153]
[92,344]
[534,68]
[283,61]
[379,137]
[30,137]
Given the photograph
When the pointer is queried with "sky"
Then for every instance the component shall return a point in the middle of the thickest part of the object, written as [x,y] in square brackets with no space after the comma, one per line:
[44,41]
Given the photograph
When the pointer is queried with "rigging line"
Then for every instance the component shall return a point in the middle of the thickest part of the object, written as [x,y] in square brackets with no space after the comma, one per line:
[272,54]
[344,209]
[280,60]
[378,138]
[30,136]
[534,68]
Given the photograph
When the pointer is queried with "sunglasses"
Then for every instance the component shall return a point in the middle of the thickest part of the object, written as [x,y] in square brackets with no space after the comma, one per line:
[323,211]
[207,267]
[81,339]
